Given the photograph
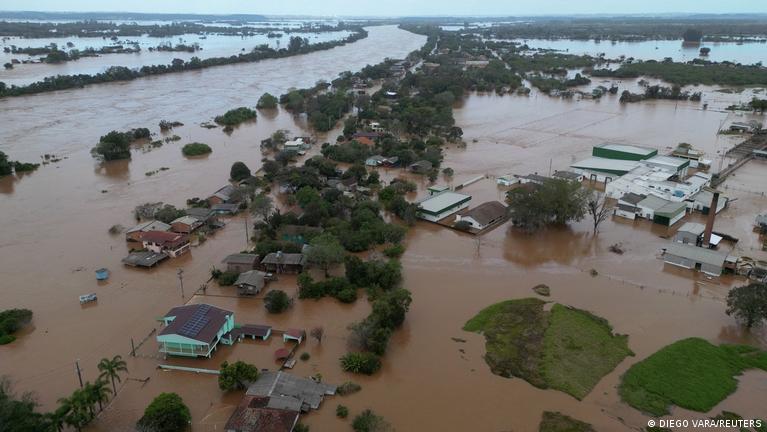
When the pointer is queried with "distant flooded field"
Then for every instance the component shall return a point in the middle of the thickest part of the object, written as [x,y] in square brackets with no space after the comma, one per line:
[433,375]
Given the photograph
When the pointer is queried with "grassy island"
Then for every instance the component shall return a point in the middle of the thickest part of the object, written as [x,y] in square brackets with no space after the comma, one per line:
[563,348]
[691,373]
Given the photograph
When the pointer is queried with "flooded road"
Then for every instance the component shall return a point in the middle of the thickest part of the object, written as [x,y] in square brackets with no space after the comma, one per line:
[55,235]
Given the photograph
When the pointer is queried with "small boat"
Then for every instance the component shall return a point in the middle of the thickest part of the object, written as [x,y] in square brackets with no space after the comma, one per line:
[87,298]
[102,274]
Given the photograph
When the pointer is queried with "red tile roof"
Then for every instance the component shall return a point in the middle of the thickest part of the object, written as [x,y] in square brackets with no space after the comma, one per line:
[163,237]
[252,415]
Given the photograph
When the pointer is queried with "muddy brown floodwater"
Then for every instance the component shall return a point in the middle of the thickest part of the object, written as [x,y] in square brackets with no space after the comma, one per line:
[54,235]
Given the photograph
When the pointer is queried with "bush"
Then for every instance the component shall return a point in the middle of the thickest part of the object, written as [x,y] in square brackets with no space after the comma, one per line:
[342,411]
[361,362]
[228,278]
[305,356]
[276,301]
[348,388]
[166,413]
[368,421]
[236,116]
[394,251]
[267,101]
[300,427]
[196,149]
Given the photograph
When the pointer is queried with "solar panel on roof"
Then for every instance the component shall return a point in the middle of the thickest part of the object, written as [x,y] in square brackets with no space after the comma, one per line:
[196,322]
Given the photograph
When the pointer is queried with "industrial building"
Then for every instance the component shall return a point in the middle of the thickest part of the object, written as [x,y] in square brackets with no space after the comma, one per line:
[623,152]
[691,257]
[441,205]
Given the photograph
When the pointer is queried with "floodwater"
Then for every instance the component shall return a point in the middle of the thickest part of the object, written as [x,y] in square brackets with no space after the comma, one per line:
[746,53]
[59,219]
[212,46]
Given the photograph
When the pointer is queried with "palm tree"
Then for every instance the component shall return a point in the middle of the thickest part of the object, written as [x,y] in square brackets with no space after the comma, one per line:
[99,392]
[74,410]
[111,369]
[57,418]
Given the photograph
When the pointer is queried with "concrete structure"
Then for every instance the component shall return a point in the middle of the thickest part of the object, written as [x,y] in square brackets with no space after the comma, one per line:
[194,330]
[656,180]
[170,243]
[437,207]
[145,259]
[623,152]
[673,164]
[134,234]
[185,224]
[241,262]
[661,211]
[507,180]
[434,190]
[701,201]
[688,256]
[296,145]
[568,175]
[484,215]
[627,206]
[250,283]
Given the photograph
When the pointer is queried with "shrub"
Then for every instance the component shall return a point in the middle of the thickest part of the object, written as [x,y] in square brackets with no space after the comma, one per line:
[196,149]
[348,388]
[300,427]
[305,356]
[394,251]
[236,116]
[361,362]
[276,301]
[368,421]
[228,278]
[342,411]
[267,101]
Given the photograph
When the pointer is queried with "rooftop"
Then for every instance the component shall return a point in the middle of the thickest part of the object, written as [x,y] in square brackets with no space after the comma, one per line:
[692,228]
[153,225]
[186,220]
[163,237]
[607,165]
[281,387]
[253,278]
[253,415]
[284,258]
[486,212]
[671,162]
[697,254]
[653,202]
[241,258]
[632,198]
[567,175]
[628,148]
[442,201]
[200,322]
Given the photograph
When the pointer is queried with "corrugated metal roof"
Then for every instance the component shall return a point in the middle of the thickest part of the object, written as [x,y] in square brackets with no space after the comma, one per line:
[697,254]
[440,202]
[692,228]
[604,164]
[628,148]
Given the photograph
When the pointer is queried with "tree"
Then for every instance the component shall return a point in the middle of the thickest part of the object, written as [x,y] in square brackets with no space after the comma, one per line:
[598,209]
[166,413]
[325,251]
[555,201]
[267,101]
[110,369]
[5,165]
[276,301]
[748,303]
[361,362]
[368,421]
[236,376]
[168,214]
[239,171]
[113,146]
[317,333]
[261,206]
[17,414]
[692,35]
[99,392]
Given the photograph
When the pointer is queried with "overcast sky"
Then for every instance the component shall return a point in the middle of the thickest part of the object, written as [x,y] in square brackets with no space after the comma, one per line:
[393,7]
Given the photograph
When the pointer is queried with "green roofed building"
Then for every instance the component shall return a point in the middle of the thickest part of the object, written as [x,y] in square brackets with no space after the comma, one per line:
[623,152]
[437,207]
[195,330]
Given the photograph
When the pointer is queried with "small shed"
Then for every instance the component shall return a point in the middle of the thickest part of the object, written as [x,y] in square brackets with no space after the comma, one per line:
[690,233]
[250,283]
[296,335]
[280,262]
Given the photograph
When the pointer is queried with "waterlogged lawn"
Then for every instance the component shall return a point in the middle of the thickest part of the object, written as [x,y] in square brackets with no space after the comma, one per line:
[564,348]
[690,373]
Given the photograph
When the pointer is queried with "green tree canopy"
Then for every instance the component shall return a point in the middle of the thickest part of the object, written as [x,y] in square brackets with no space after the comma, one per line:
[239,171]
[276,301]
[236,376]
[554,202]
[748,303]
[267,101]
[166,413]
[325,251]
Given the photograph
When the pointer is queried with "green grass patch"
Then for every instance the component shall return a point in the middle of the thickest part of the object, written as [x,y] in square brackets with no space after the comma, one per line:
[690,373]
[565,349]
[558,422]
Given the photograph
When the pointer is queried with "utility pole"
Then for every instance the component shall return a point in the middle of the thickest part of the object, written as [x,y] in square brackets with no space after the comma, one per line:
[79,372]
[180,274]
[247,237]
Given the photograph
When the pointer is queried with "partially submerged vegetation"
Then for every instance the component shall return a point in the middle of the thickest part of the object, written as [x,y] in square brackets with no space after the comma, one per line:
[11,321]
[566,349]
[116,145]
[695,72]
[558,422]
[196,149]
[691,373]
[236,116]
[9,167]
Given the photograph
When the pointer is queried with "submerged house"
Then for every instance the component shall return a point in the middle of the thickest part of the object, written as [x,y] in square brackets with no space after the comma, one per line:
[691,257]
[275,401]
[135,233]
[170,243]
[241,262]
[194,330]
[422,166]
[185,224]
[250,283]
[441,205]
[627,206]
[280,262]
[662,211]
[484,215]
[223,195]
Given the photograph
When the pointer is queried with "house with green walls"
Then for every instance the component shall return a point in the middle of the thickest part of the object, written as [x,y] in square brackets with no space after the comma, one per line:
[195,330]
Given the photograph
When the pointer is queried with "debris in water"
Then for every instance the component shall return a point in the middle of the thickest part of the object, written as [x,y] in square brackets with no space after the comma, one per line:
[542,289]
